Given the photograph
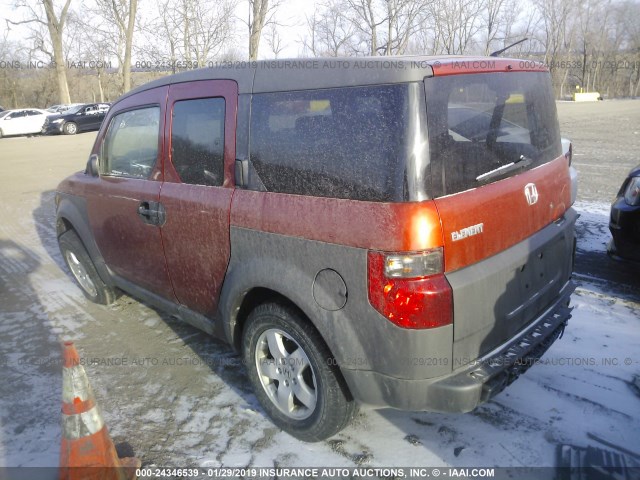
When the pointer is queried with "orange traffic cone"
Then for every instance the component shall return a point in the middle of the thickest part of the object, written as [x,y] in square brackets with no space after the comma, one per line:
[87,451]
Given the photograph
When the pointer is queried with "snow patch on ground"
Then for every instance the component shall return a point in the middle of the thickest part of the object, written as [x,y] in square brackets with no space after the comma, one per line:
[593,226]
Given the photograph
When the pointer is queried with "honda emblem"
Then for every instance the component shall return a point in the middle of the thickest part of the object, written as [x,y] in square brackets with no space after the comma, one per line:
[531,192]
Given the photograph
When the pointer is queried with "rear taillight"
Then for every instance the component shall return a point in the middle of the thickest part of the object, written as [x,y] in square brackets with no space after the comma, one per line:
[410,289]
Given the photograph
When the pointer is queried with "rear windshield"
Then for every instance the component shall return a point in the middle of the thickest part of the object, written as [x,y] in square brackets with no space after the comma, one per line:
[486,127]
[342,142]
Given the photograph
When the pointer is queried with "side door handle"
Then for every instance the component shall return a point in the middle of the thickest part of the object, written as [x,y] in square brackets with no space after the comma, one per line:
[152,213]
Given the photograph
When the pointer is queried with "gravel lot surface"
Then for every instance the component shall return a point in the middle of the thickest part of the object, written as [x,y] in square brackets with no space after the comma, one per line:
[606,140]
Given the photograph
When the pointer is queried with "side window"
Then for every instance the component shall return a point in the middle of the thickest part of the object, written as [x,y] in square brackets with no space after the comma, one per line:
[340,143]
[197,141]
[130,147]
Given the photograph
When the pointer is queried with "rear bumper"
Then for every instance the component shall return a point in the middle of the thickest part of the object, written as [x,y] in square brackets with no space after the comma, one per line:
[466,388]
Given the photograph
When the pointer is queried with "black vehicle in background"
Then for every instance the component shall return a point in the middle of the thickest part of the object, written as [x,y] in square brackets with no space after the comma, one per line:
[80,118]
[625,219]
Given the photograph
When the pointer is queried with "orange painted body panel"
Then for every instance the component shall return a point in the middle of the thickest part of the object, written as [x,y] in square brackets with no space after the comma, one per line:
[502,209]
[395,227]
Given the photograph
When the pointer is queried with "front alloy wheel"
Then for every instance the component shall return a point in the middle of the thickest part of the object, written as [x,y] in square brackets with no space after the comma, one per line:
[83,270]
[80,273]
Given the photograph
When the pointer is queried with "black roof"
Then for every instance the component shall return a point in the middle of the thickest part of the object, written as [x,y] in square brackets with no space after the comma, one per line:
[314,73]
[306,73]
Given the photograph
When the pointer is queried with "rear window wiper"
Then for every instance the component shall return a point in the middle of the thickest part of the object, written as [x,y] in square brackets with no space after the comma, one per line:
[521,162]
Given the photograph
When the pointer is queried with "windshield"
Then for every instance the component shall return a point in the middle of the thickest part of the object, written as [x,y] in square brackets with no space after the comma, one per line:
[5,113]
[75,109]
[485,127]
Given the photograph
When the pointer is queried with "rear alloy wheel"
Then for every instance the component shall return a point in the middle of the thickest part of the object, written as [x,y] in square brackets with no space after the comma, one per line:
[83,269]
[294,375]
[70,128]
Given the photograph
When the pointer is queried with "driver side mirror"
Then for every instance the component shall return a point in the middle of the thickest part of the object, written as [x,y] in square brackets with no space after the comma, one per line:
[93,165]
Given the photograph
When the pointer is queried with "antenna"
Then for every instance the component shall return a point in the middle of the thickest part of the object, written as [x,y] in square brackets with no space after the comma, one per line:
[498,52]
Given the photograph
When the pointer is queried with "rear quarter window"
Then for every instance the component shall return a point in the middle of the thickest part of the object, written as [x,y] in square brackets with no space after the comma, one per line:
[340,143]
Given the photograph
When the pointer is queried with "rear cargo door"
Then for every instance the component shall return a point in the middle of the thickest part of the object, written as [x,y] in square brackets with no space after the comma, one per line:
[499,178]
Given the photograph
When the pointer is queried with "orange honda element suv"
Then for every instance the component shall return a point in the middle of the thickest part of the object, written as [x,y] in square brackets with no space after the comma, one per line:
[391,232]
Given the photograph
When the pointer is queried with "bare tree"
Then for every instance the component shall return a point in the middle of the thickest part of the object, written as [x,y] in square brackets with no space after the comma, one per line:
[363,27]
[630,13]
[131,23]
[593,25]
[11,54]
[401,24]
[366,19]
[309,41]
[166,28]
[499,18]
[261,13]
[190,33]
[558,29]
[456,24]
[330,31]
[274,40]
[55,24]
[116,23]
[211,28]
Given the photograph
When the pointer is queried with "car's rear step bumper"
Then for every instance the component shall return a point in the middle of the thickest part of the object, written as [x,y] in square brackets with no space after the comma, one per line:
[466,388]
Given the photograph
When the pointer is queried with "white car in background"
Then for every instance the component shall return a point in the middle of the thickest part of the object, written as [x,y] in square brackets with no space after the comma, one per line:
[22,121]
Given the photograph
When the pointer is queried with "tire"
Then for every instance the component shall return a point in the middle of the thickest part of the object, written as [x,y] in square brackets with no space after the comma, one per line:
[316,402]
[1,134]
[83,270]
[70,128]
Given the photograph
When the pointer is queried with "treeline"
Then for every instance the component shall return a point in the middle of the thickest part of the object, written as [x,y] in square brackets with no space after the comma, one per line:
[59,51]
